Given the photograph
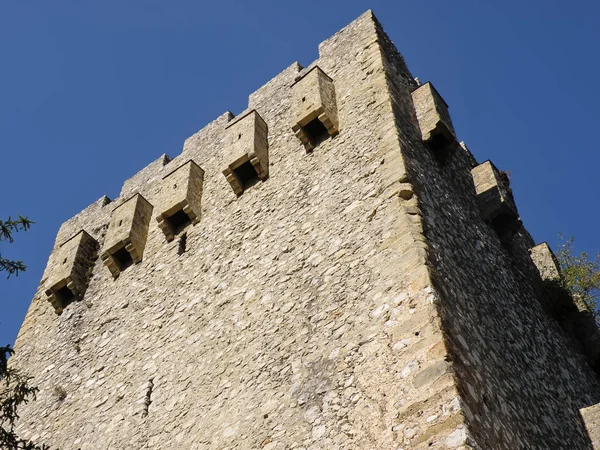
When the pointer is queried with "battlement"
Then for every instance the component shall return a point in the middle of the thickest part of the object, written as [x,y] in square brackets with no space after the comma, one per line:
[315,276]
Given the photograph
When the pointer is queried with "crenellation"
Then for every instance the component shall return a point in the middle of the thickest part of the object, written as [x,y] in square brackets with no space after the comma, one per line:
[211,132]
[90,219]
[147,175]
[277,89]
[356,299]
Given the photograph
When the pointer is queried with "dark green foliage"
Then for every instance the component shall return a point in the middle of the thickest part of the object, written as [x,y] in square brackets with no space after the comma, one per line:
[14,386]
[580,275]
[14,392]
[7,228]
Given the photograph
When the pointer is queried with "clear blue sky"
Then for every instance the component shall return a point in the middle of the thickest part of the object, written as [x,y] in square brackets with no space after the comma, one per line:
[90,92]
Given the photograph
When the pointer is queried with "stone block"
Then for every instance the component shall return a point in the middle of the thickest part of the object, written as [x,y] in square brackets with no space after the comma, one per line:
[127,234]
[434,120]
[314,108]
[555,299]
[495,199]
[591,418]
[70,265]
[180,199]
[247,151]
[545,261]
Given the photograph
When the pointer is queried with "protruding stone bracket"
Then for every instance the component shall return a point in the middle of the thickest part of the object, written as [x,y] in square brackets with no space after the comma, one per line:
[127,234]
[180,199]
[314,108]
[545,262]
[434,120]
[247,152]
[495,200]
[70,265]
[555,299]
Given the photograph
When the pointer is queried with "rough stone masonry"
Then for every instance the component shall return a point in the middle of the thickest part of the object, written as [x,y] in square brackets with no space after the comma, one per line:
[330,269]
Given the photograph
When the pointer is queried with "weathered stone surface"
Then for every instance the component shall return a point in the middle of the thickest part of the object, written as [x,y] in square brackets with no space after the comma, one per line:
[591,416]
[147,174]
[357,300]
[127,233]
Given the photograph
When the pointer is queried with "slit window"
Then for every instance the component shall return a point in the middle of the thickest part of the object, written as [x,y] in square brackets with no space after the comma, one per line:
[182,244]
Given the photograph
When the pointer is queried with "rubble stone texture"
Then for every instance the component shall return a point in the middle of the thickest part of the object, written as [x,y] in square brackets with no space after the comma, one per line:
[356,299]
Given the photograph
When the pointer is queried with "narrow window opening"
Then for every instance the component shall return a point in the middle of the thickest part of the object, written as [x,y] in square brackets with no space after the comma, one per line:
[120,222]
[147,397]
[65,261]
[178,221]
[123,258]
[64,295]
[247,175]
[316,132]
[182,244]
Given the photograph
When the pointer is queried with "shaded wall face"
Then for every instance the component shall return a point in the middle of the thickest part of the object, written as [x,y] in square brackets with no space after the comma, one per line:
[521,382]
[291,318]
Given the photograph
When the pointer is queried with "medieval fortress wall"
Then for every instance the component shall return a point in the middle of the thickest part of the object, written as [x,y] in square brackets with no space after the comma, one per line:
[328,269]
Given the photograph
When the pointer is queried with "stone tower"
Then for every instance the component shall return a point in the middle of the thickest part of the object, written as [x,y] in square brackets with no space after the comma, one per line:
[330,269]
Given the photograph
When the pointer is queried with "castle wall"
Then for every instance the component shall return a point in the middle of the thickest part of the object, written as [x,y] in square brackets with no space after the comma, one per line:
[299,316]
[353,299]
[522,380]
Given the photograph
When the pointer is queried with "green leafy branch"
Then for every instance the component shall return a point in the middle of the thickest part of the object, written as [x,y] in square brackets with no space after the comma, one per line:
[7,228]
[14,392]
[580,274]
